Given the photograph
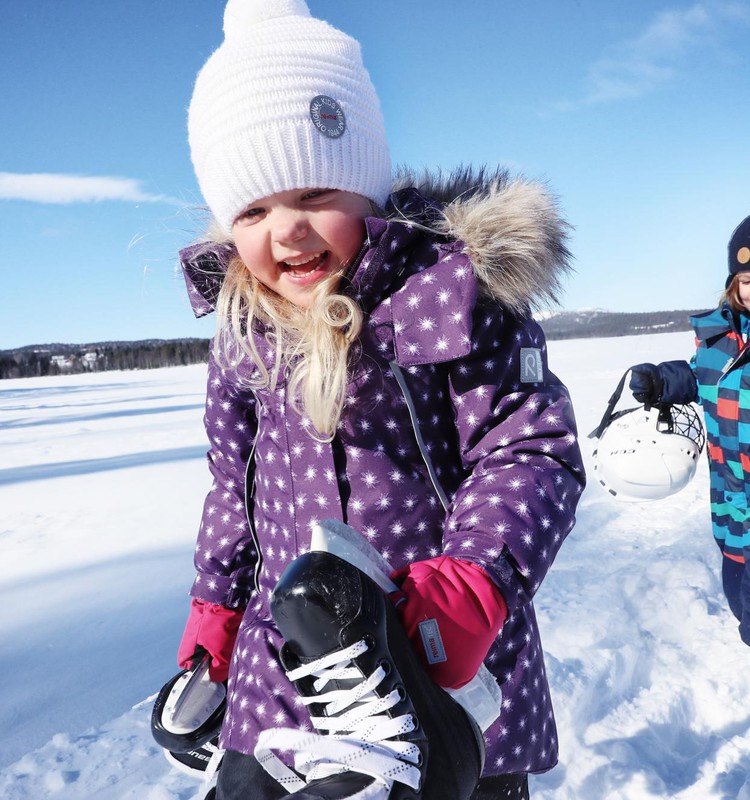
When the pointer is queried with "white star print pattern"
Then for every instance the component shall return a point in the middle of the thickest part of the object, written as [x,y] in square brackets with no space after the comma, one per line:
[505,454]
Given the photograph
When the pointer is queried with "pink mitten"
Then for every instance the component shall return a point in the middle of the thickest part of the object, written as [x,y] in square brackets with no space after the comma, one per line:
[214,628]
[452,611]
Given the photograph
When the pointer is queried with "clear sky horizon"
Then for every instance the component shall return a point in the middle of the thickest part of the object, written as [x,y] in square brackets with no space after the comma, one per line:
[634,112]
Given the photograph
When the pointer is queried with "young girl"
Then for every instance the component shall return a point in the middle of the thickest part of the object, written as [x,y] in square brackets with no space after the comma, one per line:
[718,377]
[375,362]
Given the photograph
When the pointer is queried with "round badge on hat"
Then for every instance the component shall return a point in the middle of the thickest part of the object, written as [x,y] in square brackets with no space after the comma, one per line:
[739,250]
[739,247]
[327,116]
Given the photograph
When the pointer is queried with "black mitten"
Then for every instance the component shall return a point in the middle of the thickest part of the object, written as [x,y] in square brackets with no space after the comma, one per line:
[646,383]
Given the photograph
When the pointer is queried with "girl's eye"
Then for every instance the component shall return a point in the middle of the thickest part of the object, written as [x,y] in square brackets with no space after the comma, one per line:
[250,215]
[317,194]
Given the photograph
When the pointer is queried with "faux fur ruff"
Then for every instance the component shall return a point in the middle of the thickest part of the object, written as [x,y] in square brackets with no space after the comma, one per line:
[511,228]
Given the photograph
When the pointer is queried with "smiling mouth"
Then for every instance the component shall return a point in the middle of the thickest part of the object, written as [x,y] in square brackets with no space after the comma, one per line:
[304,265]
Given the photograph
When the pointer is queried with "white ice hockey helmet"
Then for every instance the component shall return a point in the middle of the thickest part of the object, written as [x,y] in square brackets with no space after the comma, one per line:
[648,453]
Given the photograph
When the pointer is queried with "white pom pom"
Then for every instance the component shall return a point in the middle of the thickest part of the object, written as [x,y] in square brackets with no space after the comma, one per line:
[240,15]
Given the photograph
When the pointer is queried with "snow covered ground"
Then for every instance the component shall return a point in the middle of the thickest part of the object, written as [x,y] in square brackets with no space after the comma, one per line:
[101,484]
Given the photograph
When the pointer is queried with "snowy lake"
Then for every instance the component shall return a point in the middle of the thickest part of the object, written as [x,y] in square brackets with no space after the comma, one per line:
[102,482]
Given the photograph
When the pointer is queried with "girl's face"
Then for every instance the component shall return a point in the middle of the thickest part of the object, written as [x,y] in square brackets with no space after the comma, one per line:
[291,240]
[743,289]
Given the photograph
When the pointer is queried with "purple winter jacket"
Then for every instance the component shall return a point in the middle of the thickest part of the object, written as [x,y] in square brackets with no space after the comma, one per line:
[446,288]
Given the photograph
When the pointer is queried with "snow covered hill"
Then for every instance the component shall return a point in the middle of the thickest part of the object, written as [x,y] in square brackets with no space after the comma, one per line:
[598,322]
[101,484]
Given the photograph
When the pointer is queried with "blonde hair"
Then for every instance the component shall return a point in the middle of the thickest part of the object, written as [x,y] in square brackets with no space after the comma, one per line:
[311,346]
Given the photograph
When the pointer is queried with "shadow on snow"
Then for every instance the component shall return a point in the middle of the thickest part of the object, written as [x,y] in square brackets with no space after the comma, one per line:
[64,469]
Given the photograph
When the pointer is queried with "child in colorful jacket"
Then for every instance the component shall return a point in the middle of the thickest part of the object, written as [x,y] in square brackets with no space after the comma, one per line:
[375,362]
[718,377]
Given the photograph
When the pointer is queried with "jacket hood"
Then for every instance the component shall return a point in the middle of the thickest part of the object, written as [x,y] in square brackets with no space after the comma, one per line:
[717,322]
[511,229]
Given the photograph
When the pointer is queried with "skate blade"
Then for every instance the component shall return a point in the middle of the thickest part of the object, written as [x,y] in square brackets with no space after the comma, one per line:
[340,539]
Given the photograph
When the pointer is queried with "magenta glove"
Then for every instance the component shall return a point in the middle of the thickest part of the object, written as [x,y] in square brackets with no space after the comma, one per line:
[214,628]
[452,611]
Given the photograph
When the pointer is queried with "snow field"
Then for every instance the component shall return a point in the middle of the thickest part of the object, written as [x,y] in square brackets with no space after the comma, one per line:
[101,485]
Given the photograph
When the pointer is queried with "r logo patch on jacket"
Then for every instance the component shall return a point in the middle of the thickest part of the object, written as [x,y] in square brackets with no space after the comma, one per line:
[531,365]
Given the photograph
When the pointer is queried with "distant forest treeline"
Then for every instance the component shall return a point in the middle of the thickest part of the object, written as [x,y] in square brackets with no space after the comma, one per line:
[595,323]
[63,359]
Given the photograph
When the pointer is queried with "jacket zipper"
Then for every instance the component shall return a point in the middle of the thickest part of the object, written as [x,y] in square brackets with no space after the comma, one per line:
[399,375]
[733,362]
[250,498]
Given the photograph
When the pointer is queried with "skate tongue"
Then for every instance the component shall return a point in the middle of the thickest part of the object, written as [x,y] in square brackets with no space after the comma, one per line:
[315,599]
[313,602]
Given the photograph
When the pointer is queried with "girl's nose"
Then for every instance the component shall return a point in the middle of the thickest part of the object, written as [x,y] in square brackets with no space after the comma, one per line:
[289,226]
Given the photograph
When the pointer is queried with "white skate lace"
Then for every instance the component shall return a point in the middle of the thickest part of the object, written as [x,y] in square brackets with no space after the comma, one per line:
[217,754]
[360,740]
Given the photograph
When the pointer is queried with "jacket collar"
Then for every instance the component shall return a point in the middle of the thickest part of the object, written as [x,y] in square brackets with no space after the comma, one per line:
[203,266]
[510,229]
[719,322]
[382,261]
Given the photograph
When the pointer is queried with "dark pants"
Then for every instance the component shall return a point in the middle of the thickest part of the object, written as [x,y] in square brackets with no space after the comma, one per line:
[242,778]
[731,581]
[515,787]
[735,580]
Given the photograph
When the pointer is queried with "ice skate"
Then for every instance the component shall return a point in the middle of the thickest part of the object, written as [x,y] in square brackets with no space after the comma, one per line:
[389,732]
[186,719]
[196,761]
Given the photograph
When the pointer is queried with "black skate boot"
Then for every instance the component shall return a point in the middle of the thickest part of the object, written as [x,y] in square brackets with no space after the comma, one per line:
[397,734]
[195,762]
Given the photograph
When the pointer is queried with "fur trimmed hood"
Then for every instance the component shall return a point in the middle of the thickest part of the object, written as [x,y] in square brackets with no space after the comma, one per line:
[511,229]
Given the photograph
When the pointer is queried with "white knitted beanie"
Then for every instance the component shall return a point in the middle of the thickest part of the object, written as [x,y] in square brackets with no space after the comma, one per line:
[284,103]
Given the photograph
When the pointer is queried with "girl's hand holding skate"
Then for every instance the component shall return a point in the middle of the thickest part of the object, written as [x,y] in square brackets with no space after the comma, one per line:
[452,611]
[214,628]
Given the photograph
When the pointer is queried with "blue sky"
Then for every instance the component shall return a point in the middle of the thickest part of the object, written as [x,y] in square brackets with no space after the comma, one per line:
[635,112]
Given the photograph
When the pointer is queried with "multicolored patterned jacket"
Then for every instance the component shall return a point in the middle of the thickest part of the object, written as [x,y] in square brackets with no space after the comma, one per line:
[456,439]
[722,370]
